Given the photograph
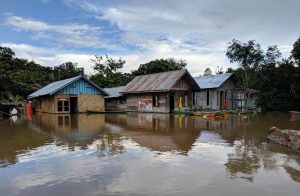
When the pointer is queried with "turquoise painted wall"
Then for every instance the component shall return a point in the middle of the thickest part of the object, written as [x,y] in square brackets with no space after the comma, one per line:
[80,87]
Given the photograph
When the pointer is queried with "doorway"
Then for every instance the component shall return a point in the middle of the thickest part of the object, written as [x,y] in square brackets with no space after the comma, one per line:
[74,104]
[171,100]
[221,100]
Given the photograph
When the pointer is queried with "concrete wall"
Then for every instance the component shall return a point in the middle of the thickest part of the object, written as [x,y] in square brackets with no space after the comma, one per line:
[214,96]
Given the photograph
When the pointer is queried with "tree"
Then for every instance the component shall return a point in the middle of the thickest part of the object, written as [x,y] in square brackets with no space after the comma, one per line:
[219,70]
[207,72]
[67,70]
[296,51]
[6,53]
[248,55]
[108,72]
[160,65]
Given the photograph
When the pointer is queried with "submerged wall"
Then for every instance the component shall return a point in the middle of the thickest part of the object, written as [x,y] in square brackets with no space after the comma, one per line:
[85,103]
[90,103]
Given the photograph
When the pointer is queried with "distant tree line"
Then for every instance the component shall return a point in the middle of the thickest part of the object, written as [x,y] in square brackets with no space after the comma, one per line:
[277,80]
[20,77]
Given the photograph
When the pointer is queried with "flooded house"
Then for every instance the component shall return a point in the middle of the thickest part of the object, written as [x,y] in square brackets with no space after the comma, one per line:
[116,101]
[73,95]
[159,92]
[217,92]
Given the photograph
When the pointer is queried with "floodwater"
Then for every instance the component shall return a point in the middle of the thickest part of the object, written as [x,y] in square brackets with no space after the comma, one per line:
[146,154]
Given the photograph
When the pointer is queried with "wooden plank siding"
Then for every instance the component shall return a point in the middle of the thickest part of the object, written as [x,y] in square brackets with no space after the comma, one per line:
[80,87]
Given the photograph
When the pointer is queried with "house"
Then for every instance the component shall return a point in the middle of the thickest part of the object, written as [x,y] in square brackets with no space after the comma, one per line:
[160,92]
[217,91]
[73,95]
[116,101]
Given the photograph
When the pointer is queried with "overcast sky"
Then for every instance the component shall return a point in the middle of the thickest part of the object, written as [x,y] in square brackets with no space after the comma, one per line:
[51,32]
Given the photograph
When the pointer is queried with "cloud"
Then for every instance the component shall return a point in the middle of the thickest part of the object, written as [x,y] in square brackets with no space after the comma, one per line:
[140,31]
[70,35]
[198,30]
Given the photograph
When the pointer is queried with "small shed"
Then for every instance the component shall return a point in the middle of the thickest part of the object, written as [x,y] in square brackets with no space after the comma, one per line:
[73,95]
[160,92]
[216,91]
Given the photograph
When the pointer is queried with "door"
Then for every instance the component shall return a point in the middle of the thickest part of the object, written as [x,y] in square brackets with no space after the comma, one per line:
[221,100]
[74,104]
[171,101]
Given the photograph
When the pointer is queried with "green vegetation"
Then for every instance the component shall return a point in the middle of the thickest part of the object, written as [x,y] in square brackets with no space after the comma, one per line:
[20,77]
[277,80]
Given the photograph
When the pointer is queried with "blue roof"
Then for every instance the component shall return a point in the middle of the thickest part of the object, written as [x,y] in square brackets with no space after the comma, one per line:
[212,81]
[54,87]
[115,91]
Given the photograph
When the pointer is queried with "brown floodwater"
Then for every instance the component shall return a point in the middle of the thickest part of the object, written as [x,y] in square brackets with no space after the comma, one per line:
[146,154]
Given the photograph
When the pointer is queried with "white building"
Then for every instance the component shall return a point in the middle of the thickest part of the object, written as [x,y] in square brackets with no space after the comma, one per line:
[217,92]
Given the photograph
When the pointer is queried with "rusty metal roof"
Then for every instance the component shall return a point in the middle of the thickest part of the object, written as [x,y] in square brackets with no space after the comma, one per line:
[158,82]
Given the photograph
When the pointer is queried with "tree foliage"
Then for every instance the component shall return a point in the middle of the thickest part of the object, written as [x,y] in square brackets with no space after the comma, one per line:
[296,51]
[67,70]
[207,72]
[20,77]
[277,80]
[108,72]
[159,65]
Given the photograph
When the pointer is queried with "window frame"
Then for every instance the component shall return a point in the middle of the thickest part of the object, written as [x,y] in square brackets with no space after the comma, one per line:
[155,100]
[63,105]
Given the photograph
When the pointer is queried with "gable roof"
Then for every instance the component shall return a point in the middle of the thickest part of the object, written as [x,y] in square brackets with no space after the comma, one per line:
[114,92]
[212,81]
[158,82]
[54,87]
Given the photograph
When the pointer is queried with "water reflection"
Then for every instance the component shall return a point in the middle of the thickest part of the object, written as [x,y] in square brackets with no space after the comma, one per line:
[158,132]
[71,130]
[16,138]
[125,153]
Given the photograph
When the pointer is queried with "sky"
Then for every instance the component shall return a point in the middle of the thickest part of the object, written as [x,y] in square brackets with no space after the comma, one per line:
[52,32]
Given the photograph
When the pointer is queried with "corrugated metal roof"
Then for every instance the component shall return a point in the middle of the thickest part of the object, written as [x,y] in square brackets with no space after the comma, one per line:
[54,87]
[212,81]
[115,91]
[157,82]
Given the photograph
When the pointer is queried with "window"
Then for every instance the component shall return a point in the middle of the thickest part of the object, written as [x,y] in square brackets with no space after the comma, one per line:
[155,101]
[63,106]
[207,98]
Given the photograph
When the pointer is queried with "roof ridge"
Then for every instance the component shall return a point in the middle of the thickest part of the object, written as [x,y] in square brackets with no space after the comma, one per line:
[162,72]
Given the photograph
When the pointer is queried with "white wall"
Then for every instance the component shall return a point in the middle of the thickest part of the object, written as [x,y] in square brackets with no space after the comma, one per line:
[214,95]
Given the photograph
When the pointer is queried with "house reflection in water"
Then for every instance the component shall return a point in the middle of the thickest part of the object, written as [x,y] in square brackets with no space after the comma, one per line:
[74,130]
[157,132]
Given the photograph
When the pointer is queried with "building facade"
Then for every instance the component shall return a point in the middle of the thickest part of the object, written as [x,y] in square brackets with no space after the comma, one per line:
[73,95]
[217,92]
[160,92]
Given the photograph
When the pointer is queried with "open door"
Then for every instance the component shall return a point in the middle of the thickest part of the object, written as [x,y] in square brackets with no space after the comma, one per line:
[171,101]
[74,104]
[221,100]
